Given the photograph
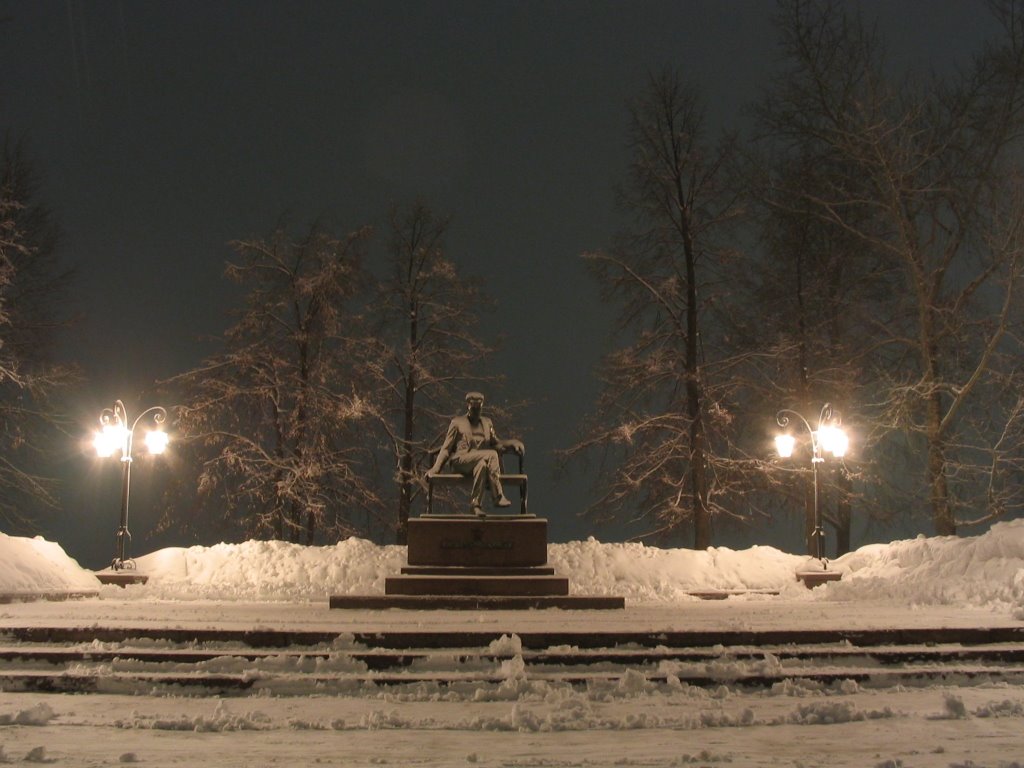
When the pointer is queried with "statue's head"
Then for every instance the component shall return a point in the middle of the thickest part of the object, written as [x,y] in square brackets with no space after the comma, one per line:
[474,403]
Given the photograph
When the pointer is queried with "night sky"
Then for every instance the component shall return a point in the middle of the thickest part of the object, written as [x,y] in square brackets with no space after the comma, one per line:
[162,130]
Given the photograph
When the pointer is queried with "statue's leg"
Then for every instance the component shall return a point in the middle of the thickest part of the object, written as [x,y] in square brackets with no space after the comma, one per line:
[485,467]
[494,479]
[479,481]
[473,464]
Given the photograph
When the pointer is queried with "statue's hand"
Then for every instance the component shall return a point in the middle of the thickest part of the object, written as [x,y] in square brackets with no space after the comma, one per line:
[517,446]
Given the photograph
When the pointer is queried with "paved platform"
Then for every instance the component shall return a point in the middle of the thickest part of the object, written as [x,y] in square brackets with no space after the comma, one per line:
[757,615]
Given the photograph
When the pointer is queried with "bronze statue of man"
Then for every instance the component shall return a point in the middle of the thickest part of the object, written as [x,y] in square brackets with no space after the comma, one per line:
[471,448]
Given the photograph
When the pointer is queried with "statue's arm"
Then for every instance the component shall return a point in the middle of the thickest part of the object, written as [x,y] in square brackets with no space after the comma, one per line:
[446,449]
[516,446]
[504,446]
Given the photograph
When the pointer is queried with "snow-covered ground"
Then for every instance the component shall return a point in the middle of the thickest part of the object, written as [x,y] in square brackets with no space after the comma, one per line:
[524,718]
[984,571]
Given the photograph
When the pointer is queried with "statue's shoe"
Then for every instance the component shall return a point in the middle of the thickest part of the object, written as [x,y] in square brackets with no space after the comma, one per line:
[479,512]
[502,502]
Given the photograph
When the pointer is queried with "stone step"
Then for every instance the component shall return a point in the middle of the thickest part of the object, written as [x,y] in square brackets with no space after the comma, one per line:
[913,634]
[477,585]
[482,570]
[476,602]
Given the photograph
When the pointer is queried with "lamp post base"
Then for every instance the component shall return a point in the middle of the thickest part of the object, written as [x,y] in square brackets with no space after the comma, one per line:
[121,578]
[814,578]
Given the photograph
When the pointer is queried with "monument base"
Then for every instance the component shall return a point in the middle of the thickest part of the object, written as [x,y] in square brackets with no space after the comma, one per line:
[495,541]
[462,562]
[476,584]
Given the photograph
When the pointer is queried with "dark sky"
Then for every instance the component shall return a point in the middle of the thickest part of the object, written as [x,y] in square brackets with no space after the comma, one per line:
[162,130]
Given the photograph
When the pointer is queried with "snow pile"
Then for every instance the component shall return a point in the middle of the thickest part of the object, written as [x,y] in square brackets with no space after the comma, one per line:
[269,570]
[31,567]
[983,571]
[651,574]
[40,714]
[986,570]
[275,570]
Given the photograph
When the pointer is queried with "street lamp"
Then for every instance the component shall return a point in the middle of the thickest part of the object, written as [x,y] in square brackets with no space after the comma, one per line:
[115,435]
[829,437]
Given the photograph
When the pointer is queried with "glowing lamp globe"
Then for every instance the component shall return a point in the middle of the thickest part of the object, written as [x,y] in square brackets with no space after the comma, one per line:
[784,445]
[156,441]
[834,440]
[109,440]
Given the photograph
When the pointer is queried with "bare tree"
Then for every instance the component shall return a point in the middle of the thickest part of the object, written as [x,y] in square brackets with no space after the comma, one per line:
[662,399]
[921,175]
[276,419]
[427,347]
[33,293]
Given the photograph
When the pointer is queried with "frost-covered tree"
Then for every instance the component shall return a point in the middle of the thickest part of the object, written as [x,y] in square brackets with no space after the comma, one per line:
[275,419]
[427,349]
[923,175]
[33,293]
[662,416]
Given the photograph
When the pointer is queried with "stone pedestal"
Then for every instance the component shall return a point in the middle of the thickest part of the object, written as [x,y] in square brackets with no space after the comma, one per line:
[462,562]
[493,542]
[459,555]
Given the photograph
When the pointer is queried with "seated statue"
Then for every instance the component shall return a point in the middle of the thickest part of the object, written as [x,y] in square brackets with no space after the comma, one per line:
[471,447]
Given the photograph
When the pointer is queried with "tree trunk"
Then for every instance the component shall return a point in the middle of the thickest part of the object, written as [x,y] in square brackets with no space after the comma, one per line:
[279,510]
[694,393]
[698,477]
[942,514]
[278,517]
[296,527]
[938,485]
[301,431]
[405,464]
[311,526]
[844,515]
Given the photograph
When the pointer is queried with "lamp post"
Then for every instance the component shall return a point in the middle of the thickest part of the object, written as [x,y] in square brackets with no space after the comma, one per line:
[115,435]
[828,437]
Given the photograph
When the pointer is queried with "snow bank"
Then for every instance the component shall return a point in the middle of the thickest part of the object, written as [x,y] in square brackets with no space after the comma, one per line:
[275,570]
[651,574]
[981,571]
[986,570]
[269,570]
[30,567]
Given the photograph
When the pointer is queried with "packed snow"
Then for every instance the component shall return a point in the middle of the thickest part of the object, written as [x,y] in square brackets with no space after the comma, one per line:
[32,567]
[523,717]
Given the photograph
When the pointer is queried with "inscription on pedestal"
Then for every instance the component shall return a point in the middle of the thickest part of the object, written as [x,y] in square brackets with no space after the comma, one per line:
[495,541]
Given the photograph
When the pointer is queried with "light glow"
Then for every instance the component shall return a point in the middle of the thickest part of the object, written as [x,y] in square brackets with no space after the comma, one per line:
[784,445]
[156,441]
[833,440]
[109,440]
